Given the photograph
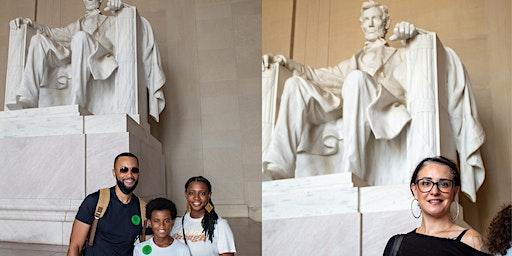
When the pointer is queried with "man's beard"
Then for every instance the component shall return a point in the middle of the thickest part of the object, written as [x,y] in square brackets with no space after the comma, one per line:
[372,36]
[125,189]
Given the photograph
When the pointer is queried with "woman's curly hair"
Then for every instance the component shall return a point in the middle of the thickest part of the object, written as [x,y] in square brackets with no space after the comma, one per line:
[499,236]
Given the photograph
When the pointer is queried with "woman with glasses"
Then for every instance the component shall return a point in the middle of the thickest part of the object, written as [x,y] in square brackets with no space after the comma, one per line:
[201,229]
[434,185]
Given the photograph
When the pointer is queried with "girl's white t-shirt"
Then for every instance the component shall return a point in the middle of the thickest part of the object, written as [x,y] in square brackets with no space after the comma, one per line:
[197,240]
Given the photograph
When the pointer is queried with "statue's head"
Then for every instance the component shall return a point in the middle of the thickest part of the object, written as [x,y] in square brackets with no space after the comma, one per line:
[92,4]
[374,19]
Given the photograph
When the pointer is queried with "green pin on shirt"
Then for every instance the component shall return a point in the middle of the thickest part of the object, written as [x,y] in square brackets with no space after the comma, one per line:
[136,219]
[147,249]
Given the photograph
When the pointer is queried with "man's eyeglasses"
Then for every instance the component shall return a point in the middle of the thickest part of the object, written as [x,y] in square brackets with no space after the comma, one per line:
[125,169]
[426,184]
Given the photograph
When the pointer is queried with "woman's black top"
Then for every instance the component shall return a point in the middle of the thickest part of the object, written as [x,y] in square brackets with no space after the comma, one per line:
[414,244]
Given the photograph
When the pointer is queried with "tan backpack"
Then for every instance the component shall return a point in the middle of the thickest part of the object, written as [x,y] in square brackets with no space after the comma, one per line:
[101,208]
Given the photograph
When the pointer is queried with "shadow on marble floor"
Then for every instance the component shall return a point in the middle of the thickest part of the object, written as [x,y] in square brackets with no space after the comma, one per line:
[247,238]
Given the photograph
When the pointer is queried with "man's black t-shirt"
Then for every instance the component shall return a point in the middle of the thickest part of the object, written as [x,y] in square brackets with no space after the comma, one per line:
[117,229]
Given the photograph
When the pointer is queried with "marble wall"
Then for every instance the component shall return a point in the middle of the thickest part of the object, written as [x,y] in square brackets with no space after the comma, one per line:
[323,32]
[211,125]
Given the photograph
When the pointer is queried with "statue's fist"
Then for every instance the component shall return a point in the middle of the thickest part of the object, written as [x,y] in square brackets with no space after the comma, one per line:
[114,5]
[403,31]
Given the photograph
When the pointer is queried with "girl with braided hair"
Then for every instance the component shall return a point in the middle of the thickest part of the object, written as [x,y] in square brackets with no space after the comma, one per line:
[201,229]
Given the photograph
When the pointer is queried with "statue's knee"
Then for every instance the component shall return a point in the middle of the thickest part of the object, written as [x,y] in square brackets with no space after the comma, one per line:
[357,75]
[355,80]
[292,84]
[80,37]
[37,39]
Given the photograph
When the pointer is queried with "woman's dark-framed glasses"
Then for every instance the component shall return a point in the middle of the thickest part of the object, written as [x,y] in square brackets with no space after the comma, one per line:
[125,169]
[426,184]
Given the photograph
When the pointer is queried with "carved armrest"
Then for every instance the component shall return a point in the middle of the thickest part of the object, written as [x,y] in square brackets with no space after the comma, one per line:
[427,98]
[19,40]
[126,84]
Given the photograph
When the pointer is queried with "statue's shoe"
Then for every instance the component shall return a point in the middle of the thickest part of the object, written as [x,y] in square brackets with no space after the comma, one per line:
[21,103]
[276,172]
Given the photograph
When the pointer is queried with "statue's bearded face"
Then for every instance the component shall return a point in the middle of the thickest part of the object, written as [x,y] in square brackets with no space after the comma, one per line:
[92,4]
[373,24]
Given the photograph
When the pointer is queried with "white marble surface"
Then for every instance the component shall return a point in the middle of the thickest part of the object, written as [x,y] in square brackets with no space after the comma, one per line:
[385,198]
[378,227]
[66,232]
[111,123]
[52,216]
[41,126]
[309,196]
[105,123]
[337,234]
[302,203]
[68,110]
[26,231]
[60,120]
[42,167]
[43,204]
[313,182]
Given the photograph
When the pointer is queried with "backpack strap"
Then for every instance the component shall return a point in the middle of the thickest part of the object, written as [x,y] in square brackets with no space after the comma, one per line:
[142,206]
[101,208]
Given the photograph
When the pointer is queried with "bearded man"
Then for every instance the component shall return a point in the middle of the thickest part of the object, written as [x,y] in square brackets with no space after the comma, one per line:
[120,225]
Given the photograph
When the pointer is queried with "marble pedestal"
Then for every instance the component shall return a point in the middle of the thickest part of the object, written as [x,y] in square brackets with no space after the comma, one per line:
[334,214]
[53,157]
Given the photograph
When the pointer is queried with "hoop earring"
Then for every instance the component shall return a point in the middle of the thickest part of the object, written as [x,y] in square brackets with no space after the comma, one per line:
[412,211]
[457,214]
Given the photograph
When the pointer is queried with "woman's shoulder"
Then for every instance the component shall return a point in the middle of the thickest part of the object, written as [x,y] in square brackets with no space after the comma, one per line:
[473,239]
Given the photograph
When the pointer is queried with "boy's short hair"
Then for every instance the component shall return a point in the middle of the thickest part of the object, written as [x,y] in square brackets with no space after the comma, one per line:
[159,204]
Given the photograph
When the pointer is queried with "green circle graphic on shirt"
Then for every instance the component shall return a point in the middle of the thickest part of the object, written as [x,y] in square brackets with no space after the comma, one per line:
[147,249]
[135,219]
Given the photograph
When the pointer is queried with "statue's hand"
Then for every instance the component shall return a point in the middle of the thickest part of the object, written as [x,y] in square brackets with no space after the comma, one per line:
[17,22]
[114,5]
[269,59]
[403,31]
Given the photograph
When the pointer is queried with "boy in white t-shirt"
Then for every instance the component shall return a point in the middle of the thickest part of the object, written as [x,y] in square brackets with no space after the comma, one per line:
[161,214]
